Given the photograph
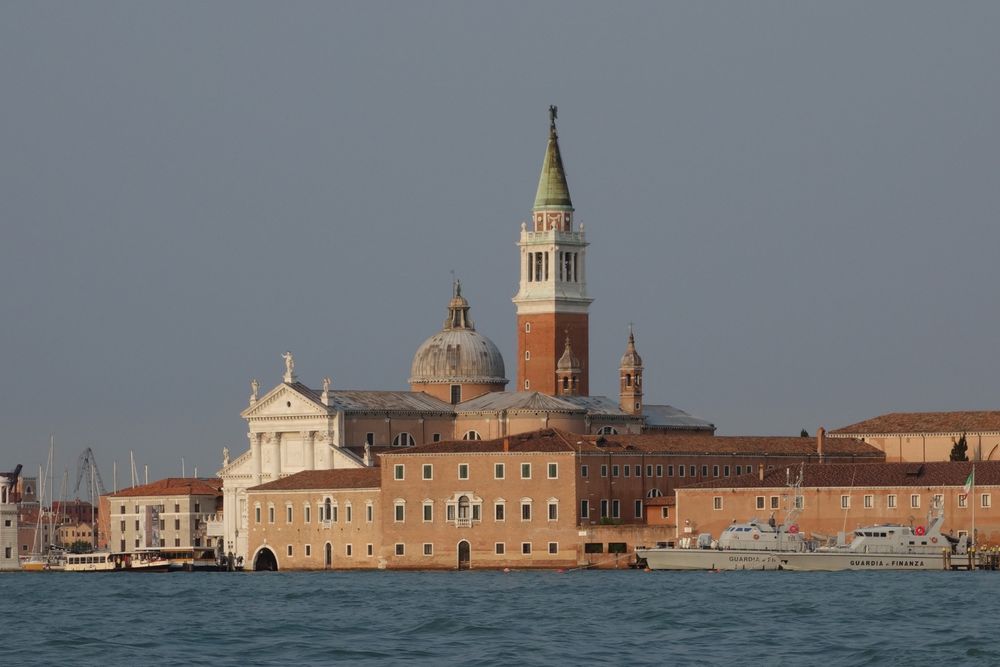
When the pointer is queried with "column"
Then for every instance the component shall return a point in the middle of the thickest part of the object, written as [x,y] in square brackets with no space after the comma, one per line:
[255,455]
[309,448]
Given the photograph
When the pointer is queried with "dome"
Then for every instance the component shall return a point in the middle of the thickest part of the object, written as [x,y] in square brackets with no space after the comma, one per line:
[458,354]
[631,358]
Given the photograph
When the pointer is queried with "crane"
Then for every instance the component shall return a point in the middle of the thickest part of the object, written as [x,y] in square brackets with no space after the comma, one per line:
[88,464]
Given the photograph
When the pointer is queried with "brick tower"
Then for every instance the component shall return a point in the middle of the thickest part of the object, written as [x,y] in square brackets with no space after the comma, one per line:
[552,300]
[630,387]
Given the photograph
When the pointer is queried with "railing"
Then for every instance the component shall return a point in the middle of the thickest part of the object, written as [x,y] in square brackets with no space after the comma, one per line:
[463,523]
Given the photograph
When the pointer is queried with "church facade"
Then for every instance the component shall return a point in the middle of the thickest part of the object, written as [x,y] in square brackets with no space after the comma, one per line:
[458,377]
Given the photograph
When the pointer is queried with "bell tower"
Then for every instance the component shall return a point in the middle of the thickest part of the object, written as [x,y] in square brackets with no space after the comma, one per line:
[552,296]
[630,387]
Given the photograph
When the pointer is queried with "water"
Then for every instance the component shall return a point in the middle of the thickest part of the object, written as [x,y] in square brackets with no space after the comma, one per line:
[492,618]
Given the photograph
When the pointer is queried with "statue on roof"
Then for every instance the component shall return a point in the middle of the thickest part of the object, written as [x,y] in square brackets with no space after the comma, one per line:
[254,389]
[225,456]
[289,367]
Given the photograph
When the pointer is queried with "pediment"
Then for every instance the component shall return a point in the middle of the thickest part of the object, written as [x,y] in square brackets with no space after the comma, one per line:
[285,401]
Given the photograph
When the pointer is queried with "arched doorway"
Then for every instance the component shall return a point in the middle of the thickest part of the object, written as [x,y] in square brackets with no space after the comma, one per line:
[265,561]
[464,555]
[328,556]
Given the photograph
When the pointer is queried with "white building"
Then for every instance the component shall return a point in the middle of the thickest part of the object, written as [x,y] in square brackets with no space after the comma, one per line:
[8,521]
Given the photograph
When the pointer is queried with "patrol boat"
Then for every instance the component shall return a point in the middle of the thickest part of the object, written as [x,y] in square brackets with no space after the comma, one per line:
[753,545]
[884,547]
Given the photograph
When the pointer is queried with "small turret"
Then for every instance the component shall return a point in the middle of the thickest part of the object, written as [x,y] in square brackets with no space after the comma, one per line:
[568,372]
[630,387]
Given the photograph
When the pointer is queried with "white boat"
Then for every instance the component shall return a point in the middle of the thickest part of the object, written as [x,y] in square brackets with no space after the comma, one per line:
[116,562]
[884,547]
[754,545]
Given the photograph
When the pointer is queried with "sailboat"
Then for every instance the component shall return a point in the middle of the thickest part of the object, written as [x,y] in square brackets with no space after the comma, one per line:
[44,558]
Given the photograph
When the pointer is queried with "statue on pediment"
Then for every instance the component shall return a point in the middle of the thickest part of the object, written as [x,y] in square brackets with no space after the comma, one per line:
[254,389]
[289,366]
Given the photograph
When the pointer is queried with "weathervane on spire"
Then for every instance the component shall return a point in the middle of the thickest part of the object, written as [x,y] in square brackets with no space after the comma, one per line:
[553,114]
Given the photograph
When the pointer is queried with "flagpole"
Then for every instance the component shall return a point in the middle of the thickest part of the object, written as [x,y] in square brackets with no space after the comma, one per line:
[973,504]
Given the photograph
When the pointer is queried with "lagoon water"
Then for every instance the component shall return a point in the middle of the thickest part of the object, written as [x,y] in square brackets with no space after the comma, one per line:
[493,618]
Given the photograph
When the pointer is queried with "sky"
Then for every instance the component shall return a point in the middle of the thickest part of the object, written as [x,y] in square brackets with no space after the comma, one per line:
[796,203]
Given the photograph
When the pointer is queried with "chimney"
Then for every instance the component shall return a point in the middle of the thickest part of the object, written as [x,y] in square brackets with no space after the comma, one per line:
[760,471]
[821,443]
[506,444]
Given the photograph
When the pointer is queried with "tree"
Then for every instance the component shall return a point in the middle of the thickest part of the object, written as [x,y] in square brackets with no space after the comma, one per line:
[959,449]
[804,434]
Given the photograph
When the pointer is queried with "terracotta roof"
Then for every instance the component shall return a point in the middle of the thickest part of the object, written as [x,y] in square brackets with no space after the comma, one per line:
[667,443]
[546,440]
[848,475]
[927,422]
[660,501]
[174,486]
[341,478]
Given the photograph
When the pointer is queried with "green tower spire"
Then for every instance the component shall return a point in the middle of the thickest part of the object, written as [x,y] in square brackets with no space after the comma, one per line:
[553,192]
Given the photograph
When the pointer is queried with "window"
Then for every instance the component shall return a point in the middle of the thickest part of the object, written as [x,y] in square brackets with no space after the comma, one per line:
[649,471]
[725,471]
[349,550]
[604,471]
[915,500]
[869,501]
[553,470]
[845,502]
[604,508]
[616,509]
[680,471]
[760,502]
[177,524]
[691,471]
[984,500]
[122,527]
[498,471]
[526,548]
[177,542]
[403,440]
[963,501]
[288,514]
[584,471]
[428,549]
[371,550]
[525,471]
[800,503]
[256,516]
[584,509]
[775,502]
[891,501]
[309,550]
[456,393]
[398,471]
[739,470]
[527,329]
[435,437]
[472,435]
[499,510]
[527,355]
[291,550]
[369,512]
[607,430]
[704,471]
[328,510]
[553,511]
[307,513]
[369,438]
[614,471]
[463,471]
[715,471]
[400,550]
[400,511]
[428,510]
[349,513]
[717,503]
[122,511]
[427,471]
[553,547]
[499,548]
[665,512]
[270,513]
[527,384]
[525,510]
[638,471]
[177,508]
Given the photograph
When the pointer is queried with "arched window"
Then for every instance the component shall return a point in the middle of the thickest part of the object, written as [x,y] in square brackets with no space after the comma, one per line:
[628,379]
[327,509]
[472,435]
[565,383]
[654,493]
[403,440]
[463,507]
[607,430]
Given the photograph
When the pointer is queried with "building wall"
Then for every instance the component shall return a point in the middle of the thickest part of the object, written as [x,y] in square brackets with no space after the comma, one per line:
[307,533]
[442,390]
[181,521]
[482,487]
[824,515]
[385,429]
[544,343]
[923,447]
[8,531]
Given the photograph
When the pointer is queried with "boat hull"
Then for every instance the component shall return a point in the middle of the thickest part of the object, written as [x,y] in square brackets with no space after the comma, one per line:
[837,562]
[708,559]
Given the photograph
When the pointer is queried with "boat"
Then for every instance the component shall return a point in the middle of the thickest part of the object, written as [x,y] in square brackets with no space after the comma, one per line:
[194,559]
[103,561]
[751,545]
[885,547]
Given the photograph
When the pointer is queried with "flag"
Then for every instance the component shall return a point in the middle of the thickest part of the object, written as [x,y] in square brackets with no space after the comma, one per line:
[970,480]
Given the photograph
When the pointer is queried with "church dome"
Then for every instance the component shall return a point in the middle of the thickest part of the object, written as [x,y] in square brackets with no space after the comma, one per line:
[458,354]
[631,358]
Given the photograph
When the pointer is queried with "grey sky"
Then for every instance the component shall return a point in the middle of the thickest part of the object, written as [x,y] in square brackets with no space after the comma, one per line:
[796,203]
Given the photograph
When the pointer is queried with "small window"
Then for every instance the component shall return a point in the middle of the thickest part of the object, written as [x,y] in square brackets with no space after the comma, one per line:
[553,547]
[775,502]
[665,512]
[760,502]
[649,471]
[456,394]
[525,471]
[553,470]
[715,471]
[638,509]
[553,511]
[616,509]
[527,355]
[963,501]
[369,512]
[427,471]
[349,550]
[498,511]
[915,500]
[472,435]
[604,471]
[527,327]
[290,550]
[704,471]
[626,470]
[985,500]
[891,501]
[499,548]
[309,550]
[869,501]
[371,550]
[256,513]
[526,548]
[400,512]
[680,471]
[270,514]
[527,384]
[400,550]
[638,471]
[428,549]
[725,471]
[398,471]
[463,471]
[403,440]
[717,503]
[428,511]
[306,513]
[845,502]
[584,509]
[584,471]
[525,511]
[370,438]
[435,437]
[614,471]
[691,471]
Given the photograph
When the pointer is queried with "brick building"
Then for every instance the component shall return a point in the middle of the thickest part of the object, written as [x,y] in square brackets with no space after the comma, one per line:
[171,512]
[929,436]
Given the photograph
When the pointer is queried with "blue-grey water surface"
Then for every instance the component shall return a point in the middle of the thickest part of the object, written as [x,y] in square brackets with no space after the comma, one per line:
[493,618]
